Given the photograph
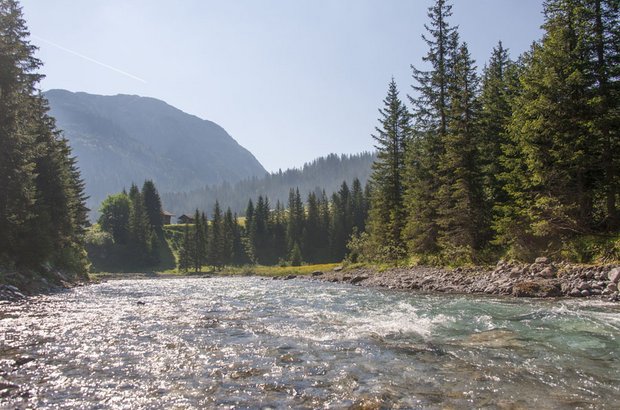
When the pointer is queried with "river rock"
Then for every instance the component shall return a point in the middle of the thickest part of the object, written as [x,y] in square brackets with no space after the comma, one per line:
[317,273]
[338,268]
[574,293]
[583,286]
[289,277]
[542,260]
[548,272]
[614,275]
[585,292]
[358,279]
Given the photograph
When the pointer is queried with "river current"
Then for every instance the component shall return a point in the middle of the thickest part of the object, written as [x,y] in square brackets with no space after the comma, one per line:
[256,343]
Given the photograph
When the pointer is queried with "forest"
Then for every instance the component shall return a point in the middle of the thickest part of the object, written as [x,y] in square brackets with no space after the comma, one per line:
[43,215]
[519,160]
[515,160]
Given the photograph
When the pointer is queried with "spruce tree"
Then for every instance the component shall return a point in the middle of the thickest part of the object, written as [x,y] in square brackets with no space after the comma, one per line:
[387,214]
[217,245]
[312,239]
[295,220]
[431,106]
[553,179]
[152,205]
[462,216]
[42,211]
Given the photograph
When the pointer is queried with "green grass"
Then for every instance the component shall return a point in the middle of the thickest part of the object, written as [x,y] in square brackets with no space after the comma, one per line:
[261,270]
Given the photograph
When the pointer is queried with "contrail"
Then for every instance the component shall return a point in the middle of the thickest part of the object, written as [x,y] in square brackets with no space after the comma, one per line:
[92,60]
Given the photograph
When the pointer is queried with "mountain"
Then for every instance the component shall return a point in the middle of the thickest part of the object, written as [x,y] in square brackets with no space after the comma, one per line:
[124,138]
[326,173]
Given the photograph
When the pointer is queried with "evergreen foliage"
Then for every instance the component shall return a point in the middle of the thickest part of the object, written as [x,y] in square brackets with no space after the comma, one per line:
[42,202]
[431,116]
[388,209]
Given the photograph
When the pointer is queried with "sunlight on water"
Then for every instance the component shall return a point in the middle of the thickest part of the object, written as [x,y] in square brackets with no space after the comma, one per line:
[252,343]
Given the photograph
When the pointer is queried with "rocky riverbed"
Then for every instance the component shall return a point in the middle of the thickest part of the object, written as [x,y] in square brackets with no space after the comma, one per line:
[542,278]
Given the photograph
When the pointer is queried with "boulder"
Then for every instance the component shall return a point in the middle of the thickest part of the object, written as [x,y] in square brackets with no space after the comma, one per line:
[585,292]
[317,273]
[289,277]
[358,279]
[548,272]
[338,268]
[614,275]
[542,260]
[574,293]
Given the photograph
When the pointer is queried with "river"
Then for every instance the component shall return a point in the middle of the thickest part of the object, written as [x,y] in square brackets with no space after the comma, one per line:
[256,343]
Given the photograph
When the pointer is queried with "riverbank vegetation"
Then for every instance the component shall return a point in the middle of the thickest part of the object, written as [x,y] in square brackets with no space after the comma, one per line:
[42,204]
[314,232]
[520,161]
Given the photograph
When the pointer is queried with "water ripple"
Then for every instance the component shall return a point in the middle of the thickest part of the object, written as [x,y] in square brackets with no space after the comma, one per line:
[251,343]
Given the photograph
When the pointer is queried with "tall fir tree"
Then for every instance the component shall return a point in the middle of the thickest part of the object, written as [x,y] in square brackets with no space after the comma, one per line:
[152,205]
[555,177]
[387,213]
[462,216]
[431,106]
[42,211]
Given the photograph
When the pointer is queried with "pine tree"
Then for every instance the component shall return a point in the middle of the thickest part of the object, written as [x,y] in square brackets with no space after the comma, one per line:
[217,244]
[499,83]
[152,205]
[199,247]
[387,210]
[431,106]
[312,239]
[325,229]
[295,221]
[342,222]
[462,214]
[42,211]
[553,178]
[359,206]
[228,238]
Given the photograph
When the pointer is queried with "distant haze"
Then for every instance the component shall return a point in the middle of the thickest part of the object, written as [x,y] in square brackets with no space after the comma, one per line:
[289,80]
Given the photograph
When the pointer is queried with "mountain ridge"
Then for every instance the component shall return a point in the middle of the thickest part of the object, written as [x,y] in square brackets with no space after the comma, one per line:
[123,138]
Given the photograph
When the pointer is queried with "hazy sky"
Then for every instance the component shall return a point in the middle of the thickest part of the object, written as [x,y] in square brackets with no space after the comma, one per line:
[290,80]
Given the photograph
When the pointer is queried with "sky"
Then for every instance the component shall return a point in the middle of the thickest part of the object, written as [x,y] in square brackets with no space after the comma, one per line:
[290,80]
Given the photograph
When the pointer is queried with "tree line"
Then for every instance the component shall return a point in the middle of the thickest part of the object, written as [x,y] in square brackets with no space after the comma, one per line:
[324,173]
[520,160]
[134,221]
[316,231]
[42,201]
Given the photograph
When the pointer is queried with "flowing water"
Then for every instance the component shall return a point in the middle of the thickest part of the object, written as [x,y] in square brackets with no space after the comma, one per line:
[252,343]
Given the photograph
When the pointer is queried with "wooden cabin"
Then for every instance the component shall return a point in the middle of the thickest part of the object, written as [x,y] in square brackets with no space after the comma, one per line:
[167,217]
[185,219]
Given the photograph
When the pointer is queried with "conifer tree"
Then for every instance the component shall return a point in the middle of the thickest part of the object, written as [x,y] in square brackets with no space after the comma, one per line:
[295,221]
[342,222]
[42,211]
[431,105]
[461,214]
[499,84]
[359,208]
[553,179]
[217,245]
[152,205]
[312,239]
[387,210]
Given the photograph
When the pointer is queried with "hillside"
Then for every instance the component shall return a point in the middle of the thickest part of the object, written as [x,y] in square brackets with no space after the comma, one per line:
[322,173]
[123,138]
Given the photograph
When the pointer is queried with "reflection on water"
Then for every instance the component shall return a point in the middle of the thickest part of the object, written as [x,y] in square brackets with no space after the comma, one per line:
[252,343]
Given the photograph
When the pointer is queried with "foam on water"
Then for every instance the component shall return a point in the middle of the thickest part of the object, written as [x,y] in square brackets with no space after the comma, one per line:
[253,343]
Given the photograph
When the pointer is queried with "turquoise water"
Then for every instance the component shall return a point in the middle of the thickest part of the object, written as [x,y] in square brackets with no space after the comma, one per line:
[252,343]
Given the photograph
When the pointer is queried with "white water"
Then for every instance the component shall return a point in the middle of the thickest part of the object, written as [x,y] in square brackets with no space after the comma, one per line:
[251,343]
